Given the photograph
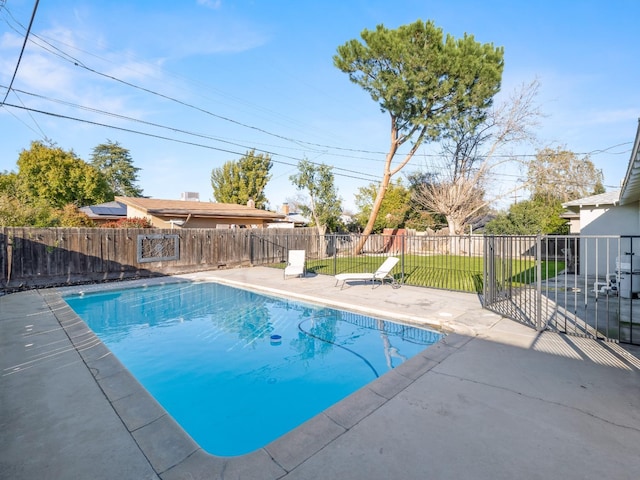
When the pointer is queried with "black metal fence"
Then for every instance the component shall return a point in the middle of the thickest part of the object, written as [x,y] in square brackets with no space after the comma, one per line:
[580,285]
[438,261]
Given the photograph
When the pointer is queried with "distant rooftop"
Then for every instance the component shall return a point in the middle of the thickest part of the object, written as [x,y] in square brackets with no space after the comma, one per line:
[607,198]
[183,208]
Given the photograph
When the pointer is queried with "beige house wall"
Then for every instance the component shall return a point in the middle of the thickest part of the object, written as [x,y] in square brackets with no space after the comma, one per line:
[198,222]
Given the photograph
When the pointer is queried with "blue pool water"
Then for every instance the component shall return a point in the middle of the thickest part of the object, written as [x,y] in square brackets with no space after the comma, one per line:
[238,369]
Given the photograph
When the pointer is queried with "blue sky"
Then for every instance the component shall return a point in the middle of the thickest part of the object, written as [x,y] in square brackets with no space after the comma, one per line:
[229,76]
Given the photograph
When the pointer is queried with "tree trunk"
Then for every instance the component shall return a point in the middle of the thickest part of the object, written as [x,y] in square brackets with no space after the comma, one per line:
[374,211]
[452,223]
[388,173]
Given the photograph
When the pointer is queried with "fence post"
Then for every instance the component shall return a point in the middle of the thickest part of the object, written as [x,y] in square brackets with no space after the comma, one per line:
[487,269]
[402,246]
[335,253]
[539,282]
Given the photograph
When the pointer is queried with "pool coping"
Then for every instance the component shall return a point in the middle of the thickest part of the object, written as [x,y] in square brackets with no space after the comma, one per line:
[172,453]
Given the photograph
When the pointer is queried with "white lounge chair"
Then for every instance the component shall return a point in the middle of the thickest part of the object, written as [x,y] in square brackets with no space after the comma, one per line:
[295,264]
[381,274]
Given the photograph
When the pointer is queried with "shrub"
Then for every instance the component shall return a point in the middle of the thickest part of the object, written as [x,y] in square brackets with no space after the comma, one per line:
[133,222]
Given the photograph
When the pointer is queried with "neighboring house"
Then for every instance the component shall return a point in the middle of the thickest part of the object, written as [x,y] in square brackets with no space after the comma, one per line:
[611,213]
[290,219]
[105,212]
[600,215]
[616,214]
[188,214]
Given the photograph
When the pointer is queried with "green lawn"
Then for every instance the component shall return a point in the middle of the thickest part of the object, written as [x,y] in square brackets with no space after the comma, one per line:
[461,273]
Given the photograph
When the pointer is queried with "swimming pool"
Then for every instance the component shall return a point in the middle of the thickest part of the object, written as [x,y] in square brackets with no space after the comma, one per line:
[238,369]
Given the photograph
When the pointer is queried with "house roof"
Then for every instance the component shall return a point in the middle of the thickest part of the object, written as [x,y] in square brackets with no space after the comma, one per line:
[182,208]
[296,218]
[631,183]
[607,198]
[630,191]
[106,210]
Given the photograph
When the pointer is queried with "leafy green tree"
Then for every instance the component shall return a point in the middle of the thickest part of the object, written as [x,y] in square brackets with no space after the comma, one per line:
[559,174]
[598,188]
[14,212]
[52,176]
[555,176]
[242,180]
[423,80]
[133,222]
[394,210]
[71,216]
[116,164]
[530,217]
[324,204]
[9,184]
[420,220]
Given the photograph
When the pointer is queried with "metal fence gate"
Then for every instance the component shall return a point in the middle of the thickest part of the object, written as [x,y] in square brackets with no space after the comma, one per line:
[579,285]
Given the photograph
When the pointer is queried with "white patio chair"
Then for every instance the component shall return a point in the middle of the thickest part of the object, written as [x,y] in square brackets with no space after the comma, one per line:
[295,264]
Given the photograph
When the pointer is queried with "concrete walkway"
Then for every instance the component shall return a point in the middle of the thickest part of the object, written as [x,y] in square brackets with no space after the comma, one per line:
[493,400]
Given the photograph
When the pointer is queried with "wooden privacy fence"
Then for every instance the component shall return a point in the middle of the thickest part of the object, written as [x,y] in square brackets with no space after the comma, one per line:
[33,257]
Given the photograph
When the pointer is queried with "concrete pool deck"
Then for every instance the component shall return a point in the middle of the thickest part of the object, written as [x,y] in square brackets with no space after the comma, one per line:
[494,399]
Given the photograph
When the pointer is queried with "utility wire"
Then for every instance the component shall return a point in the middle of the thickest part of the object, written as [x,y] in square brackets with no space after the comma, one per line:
[177,130]
[78,63]
[147,134]
[24,45]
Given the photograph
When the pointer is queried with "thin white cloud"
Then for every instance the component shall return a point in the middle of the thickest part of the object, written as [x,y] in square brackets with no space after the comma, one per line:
[204,35]
[213,4]
[47,69]
[38,73]
[10,41]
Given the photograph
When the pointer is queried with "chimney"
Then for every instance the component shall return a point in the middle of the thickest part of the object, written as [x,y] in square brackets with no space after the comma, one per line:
[285,208]
[251,203]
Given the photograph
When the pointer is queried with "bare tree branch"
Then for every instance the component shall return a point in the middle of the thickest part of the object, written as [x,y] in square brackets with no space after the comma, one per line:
[471,152]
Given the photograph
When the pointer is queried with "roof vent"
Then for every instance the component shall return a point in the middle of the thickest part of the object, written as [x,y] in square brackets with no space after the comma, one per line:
[190,196]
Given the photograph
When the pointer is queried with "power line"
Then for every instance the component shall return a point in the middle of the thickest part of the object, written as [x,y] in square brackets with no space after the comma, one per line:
[24,45]
[162,137]
[68,57]
[103,112]
[78,63]
[174,129]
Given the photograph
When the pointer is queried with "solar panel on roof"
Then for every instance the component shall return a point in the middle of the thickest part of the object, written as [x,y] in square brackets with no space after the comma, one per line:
[109,210]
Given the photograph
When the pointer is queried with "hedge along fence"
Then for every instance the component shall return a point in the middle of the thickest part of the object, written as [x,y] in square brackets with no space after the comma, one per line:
[33,257]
